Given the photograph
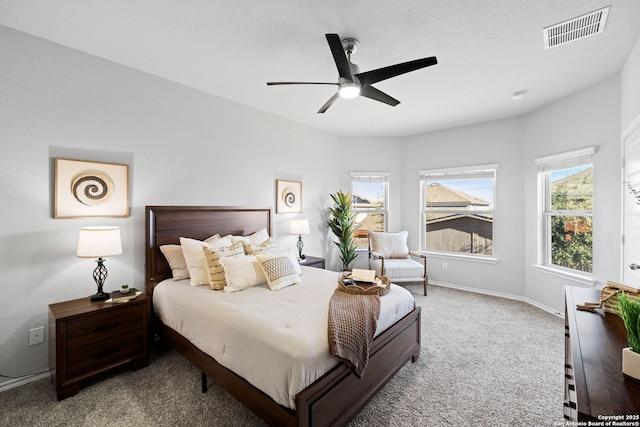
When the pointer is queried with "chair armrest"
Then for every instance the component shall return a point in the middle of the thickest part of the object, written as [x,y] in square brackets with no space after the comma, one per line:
[417,254]
[375,255]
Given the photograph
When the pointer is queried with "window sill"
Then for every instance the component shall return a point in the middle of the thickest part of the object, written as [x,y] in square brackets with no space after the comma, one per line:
[582,278]
[463,257]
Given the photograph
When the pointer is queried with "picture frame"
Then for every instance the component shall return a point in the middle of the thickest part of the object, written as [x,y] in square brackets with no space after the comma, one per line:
[90,189]
[288,196]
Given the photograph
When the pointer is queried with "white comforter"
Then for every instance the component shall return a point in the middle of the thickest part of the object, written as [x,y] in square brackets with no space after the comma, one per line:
[276,340]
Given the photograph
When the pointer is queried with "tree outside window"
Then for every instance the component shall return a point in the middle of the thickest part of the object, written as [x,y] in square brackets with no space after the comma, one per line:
[568,213]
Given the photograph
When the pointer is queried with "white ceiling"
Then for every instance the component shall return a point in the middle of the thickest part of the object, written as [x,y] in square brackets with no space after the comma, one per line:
[486,50]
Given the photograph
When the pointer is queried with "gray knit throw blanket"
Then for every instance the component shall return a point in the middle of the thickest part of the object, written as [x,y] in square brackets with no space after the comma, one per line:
[353,320]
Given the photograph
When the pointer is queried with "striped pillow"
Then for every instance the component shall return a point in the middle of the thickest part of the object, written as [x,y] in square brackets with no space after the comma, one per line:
[215,271]
[266,247]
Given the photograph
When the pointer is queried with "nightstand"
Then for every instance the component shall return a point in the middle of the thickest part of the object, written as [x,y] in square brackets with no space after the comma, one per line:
[89,338]
[312,261]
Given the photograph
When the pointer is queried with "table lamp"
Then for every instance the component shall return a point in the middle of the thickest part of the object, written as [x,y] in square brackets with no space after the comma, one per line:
[99,242]
[300,227]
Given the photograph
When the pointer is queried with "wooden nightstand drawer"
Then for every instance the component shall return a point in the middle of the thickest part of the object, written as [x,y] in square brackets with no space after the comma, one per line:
[103,353]
[103,324]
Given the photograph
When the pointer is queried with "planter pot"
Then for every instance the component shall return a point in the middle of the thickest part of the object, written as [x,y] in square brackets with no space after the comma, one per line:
[631,364]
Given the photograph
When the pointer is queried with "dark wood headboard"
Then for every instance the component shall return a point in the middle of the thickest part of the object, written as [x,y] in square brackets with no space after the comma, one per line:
[165,225]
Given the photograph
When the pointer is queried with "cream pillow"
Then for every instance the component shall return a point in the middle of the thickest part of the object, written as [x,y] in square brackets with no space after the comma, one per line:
[266,247]
[254,238]
[241,273]
[194,256]
[175,258]
[215,271]
[293,256]
[390,245]
[279,270]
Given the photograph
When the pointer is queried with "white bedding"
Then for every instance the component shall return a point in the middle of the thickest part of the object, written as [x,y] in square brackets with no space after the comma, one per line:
[276,340]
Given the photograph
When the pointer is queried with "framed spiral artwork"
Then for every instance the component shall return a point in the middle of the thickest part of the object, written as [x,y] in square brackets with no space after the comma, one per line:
[90,189]
[288,196]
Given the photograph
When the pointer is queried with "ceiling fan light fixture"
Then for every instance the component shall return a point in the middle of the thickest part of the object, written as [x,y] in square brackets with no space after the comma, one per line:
[349,90]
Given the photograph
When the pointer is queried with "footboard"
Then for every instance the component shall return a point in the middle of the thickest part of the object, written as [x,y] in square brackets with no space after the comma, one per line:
[331,400]
[339,395]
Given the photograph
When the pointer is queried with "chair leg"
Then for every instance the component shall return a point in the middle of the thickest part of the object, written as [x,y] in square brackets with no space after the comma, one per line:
[426,279]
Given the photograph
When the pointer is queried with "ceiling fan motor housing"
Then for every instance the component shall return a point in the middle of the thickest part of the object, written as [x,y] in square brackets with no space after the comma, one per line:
[350,45]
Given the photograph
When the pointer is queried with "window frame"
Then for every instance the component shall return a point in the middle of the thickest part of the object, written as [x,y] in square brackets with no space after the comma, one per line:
[372,177]
[466,172]
[546,165]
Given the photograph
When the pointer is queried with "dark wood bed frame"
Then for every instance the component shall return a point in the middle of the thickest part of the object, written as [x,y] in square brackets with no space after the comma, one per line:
[333,399]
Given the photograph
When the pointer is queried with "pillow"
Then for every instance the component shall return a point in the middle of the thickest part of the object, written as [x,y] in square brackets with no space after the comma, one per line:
[279,271]
[194,256]
[266,247]
[293,256]
[241,272]
[254,238]
[390,245]
[175,258]
[215,271]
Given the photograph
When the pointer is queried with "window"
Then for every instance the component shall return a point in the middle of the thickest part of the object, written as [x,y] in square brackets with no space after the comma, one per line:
[369,193]
[458,207]
[566,190]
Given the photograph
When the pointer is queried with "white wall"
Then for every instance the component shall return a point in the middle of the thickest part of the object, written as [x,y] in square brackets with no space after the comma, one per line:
[373,155]
[630,84]
[183,147]
[587,118]
[492,142]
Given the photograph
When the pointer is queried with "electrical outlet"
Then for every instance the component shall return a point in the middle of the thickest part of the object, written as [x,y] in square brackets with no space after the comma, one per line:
[36,335]
[445,266]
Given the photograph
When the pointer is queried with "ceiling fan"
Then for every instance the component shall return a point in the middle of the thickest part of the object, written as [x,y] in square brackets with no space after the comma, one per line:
[351,82]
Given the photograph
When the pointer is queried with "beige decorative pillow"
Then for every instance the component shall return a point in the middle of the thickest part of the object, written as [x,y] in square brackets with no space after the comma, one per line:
[254,238]
[215,271]
[241,272]
[279,271]
[194,256]
[266,247]
[177,263]
[390,245]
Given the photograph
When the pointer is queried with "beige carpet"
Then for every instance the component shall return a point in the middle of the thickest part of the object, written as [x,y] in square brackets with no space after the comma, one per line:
[485,361]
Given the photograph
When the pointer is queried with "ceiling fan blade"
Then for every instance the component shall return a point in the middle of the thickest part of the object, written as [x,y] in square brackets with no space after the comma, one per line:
[328,104]
[339,56]
[375,94]
[370,77]
[299,83]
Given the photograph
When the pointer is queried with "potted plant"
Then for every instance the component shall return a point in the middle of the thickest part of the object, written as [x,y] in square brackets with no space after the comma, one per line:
[629,311]
[342,225]
[124,289]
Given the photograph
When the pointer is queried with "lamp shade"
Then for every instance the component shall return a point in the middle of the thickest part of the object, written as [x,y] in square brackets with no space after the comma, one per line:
[299,226]
[97,242]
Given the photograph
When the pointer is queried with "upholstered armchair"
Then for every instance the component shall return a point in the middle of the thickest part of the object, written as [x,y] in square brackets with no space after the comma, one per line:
[390,256]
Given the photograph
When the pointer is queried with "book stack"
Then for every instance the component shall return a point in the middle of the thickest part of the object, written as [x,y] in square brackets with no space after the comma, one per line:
[117,296]
[363,282]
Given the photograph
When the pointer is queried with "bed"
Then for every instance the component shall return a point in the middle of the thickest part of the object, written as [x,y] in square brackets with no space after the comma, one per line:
[335,397]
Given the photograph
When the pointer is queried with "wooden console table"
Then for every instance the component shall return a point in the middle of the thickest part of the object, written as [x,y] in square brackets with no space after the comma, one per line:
[594,384]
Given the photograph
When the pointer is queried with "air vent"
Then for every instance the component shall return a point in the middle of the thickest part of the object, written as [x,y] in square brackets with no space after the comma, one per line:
[576,28]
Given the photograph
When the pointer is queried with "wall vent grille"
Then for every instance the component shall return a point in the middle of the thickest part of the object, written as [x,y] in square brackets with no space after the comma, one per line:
[576,28]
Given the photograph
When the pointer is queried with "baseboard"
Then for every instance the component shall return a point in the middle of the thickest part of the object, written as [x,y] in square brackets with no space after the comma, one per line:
[17,382]
[499,295]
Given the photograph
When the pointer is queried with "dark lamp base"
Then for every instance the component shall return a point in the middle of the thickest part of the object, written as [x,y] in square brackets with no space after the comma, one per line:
[100,296]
